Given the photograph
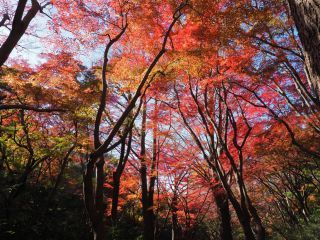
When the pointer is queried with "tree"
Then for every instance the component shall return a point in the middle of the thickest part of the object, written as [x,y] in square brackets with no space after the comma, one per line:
[94,207]
[182,120]
[306,17]
[19,25]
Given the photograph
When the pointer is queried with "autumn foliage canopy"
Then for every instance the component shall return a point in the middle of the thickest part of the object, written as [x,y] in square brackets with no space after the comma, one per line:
[147,119]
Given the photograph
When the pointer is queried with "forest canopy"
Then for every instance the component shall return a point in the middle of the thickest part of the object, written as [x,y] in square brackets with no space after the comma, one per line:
[156,120]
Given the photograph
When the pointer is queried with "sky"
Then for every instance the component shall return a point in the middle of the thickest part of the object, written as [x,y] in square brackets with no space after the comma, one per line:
[32,47]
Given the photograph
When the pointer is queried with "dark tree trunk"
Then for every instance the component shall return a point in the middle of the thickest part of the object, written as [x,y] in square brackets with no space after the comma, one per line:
[94,199]
[147,191]
[222,203]
[124,155]
[176,231]
[19,27]
[259,228]
[115,197]
[148,216]
[149,225]
[241,210]
[100,206]
[306,15]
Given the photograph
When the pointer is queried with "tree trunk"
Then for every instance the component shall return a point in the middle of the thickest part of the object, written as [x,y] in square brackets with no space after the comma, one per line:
[19,27]
[124,155]
[115,197]
[247,204]
[259,228]
[222,203]
[149,225]
[176,231]
[100,206]
[147,194]
[240,209]
[306,15]
[94,199]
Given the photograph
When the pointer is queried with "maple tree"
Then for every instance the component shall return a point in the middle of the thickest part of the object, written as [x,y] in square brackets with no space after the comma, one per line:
[160,119]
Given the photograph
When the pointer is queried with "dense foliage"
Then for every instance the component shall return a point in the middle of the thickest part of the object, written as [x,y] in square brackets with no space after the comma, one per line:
[147,119]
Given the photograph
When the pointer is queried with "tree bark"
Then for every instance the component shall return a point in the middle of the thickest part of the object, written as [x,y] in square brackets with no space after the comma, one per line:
[115,197]
[19,27]
[222,203]
[240,209]
[147,209]
[176,231]
[124,155]
[93,197]
[306,15]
